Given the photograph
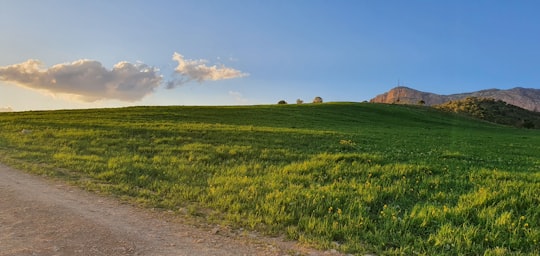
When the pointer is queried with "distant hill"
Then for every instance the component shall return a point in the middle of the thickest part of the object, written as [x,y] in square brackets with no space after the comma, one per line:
[495,111]
[526,98]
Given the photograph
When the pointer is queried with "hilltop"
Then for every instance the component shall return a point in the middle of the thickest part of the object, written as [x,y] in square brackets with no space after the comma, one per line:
[526,98]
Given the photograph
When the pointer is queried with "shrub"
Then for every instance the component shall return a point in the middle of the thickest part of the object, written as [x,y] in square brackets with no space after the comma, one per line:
[282,102]
[318,100]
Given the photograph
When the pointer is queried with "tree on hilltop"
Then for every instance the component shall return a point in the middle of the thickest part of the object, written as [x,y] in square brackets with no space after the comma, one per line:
[318,100]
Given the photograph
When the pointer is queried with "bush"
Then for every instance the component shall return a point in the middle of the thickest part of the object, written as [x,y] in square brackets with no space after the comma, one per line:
[282,102]
[299,101]
[318,100]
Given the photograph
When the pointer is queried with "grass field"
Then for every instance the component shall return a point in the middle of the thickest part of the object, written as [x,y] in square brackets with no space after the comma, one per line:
[358,177]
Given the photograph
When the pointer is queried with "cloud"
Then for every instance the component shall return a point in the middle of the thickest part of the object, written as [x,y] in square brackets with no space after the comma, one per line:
[197,70]
[6,109]
[238,97]
[87,80]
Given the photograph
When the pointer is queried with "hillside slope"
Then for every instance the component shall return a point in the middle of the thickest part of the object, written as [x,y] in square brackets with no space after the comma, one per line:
[495,111]
[385,179]
[526,98]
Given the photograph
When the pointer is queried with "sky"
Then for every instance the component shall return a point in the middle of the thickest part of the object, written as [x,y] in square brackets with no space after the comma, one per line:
[67,54]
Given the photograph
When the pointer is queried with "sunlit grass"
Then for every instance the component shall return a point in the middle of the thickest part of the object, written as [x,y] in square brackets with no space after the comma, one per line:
[357,177]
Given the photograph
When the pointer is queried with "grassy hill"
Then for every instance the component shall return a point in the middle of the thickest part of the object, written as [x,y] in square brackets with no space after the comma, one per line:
[388,179]
[495,111]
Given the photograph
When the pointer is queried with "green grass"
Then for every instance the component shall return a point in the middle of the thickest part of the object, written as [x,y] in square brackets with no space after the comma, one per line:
[387,179]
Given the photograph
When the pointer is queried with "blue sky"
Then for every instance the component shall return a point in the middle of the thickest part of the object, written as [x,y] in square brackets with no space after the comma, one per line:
[258,52]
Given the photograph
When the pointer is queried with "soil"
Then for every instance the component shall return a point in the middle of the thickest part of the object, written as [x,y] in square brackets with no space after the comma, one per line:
[40,216]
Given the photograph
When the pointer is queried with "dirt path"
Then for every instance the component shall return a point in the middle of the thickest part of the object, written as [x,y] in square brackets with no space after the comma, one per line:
[43,217]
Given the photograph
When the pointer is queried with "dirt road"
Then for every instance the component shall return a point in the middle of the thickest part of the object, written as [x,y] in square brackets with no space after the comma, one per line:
[44,217]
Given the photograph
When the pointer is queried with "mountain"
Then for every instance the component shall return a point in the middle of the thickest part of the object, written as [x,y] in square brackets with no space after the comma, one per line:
[526,98]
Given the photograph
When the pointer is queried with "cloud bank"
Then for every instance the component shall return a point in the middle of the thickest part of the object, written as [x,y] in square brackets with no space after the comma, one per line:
[6,109]
[238,97]
[197,70]
[87,80]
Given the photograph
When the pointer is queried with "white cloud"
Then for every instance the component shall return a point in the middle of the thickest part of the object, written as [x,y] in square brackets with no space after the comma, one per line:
[238,97]
[87,80]
[197,70]
[6,109]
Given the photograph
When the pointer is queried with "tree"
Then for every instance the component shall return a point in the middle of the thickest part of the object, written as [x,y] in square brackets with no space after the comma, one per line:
[299,101]
[282,102]
[318,100]
[421,102]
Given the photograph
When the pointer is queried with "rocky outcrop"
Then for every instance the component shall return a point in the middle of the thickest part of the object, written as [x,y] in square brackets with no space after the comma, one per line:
[522,97]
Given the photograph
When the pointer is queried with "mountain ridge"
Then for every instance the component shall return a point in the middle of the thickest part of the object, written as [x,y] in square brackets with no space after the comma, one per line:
[527,98]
